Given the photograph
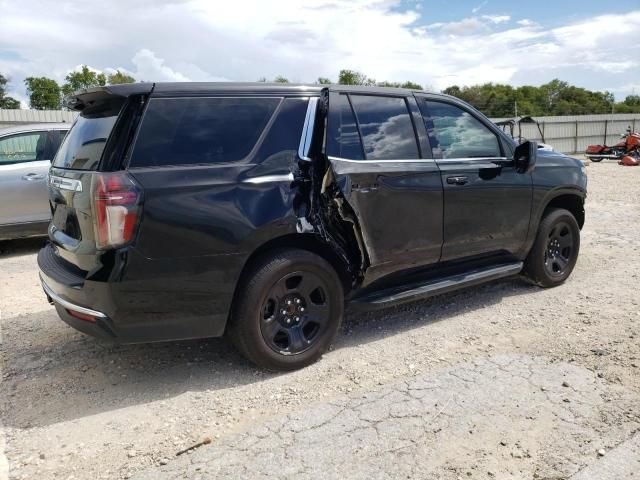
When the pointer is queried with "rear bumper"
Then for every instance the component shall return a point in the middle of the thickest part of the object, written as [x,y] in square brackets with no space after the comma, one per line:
[138,300]
[93,322]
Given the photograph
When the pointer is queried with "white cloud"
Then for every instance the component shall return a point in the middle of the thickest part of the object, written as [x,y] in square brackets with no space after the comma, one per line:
[149,66]
[496,19]
[479,7]
[201,40]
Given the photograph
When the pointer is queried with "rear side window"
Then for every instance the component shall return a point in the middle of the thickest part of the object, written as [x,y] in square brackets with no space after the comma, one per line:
[386,127]
[343,139]
[183,131]
[455,133]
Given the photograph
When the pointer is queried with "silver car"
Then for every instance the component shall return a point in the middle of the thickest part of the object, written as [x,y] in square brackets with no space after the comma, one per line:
[26,152]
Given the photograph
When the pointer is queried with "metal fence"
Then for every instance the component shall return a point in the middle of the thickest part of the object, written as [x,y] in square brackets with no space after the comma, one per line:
[572,134]
[10,118]
[569,134]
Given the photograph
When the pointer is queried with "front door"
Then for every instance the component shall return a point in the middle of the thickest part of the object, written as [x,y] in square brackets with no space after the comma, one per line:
[487,203]
[379,154]
[24,196]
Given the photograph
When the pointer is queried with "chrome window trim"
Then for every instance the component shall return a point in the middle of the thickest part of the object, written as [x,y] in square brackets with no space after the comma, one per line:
[287,177]
[416,160]
[307,129]
[68,305]
[65,183]
[465,159]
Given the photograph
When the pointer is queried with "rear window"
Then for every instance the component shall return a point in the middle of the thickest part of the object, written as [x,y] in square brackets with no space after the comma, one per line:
[82,148]
[183,131]
[343,139]
[386,127]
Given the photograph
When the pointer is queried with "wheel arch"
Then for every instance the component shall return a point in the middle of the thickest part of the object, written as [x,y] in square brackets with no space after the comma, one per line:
[300,241]
[571,201]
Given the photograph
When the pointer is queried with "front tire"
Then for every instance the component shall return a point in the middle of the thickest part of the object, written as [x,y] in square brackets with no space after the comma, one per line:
[555,250]
[287,310]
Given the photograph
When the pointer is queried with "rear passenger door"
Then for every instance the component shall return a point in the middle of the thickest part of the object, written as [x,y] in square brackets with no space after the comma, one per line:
[487,203]
[380,157]
[24,164]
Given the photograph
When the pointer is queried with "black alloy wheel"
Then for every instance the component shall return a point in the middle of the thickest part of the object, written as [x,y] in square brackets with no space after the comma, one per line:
[555,250]
[287,309]
[560,249]
[295,312]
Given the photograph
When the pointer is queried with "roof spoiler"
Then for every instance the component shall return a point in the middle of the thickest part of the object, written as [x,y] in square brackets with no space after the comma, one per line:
[87,97]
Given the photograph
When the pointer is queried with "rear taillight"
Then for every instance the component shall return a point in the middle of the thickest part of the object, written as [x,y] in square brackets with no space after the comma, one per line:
[116,206]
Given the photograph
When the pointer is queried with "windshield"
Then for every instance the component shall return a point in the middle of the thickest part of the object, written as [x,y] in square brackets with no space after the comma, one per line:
[83,146]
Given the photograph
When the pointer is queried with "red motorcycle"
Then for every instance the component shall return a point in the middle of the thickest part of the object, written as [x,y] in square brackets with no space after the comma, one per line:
[627,151]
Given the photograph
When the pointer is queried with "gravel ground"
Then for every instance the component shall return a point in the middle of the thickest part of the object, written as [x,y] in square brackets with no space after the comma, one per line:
[463,385]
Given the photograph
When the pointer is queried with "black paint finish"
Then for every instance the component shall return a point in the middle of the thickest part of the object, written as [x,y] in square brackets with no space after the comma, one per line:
[202,222]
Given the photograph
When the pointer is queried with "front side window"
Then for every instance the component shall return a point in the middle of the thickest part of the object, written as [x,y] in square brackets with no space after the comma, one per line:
[183,131]
[386,127]
[455,133]
[23,147]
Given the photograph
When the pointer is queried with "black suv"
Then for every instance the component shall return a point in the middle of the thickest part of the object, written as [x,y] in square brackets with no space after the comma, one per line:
[186,210]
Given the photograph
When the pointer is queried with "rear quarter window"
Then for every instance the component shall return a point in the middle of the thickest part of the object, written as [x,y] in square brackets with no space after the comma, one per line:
[183,131]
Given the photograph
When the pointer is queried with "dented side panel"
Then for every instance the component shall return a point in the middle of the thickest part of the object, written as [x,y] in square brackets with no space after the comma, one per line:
[399,209]
[391,209]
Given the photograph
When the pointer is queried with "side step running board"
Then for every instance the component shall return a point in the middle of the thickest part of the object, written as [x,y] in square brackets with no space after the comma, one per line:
[435,286]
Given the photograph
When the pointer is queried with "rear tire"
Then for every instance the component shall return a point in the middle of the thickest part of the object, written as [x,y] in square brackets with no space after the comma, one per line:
[555,250]
[595,159]
[287,310]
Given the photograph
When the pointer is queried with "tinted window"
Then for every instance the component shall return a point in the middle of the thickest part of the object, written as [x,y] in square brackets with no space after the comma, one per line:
[457,134]
[82,148]
[179,131]
[386,127]
[343,139]
[55,139]
[23,147]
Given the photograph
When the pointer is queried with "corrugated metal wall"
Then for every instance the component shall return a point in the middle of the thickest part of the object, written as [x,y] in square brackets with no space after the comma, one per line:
[572,134]
[10,118]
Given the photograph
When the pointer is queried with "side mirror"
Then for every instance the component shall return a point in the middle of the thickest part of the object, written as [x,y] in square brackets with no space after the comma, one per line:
[524,156]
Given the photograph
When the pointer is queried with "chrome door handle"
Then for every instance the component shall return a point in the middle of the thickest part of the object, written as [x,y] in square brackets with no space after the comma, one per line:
[457,180]
[33,176]
[364,187]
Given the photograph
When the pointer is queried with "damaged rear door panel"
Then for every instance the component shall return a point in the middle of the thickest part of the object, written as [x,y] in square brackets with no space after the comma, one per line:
[380,190]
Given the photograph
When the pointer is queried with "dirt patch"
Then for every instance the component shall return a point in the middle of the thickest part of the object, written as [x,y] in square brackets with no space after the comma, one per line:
[75,406]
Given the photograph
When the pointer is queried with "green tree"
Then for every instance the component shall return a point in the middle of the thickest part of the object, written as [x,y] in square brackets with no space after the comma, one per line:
[554,98]
[85,78]
[119,77]
[6,102]
[632,100]
[453,90]
[323,81]
[44,93]
[281,79]
[351,77]
[411,85]
[386,83]
[407,84]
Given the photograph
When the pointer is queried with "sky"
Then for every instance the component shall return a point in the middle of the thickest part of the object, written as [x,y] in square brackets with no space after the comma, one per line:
[436,43]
